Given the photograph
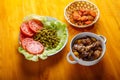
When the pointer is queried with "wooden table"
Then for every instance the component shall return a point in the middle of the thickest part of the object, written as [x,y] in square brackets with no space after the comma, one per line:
[13,65]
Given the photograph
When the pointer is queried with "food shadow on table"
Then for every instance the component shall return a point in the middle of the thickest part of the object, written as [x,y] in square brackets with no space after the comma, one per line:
[37,69]
[95,72]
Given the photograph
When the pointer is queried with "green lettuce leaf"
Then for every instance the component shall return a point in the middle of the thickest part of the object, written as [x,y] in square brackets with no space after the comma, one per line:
[27,55]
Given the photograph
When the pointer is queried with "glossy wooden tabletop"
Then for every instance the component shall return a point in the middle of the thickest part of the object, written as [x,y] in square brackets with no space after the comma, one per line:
[13,65]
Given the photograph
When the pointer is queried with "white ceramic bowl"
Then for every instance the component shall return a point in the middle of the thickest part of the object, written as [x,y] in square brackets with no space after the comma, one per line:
[81,4]
[80,61]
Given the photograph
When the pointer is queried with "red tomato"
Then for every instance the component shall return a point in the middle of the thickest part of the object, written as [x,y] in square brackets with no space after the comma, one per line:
[34,47]
[25,42]
[21,36]
[26,30]
[35,25]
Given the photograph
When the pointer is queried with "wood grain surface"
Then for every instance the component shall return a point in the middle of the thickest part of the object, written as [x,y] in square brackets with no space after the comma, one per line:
[13,65]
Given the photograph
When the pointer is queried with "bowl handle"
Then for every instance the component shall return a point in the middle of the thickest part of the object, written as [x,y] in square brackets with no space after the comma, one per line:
[68,59]
[103,37]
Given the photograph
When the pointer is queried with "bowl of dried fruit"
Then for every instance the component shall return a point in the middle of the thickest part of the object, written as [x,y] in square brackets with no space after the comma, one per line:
[87,49]
[81,13]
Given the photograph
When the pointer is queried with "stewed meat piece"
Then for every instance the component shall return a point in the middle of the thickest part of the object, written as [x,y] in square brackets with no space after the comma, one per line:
[87,48]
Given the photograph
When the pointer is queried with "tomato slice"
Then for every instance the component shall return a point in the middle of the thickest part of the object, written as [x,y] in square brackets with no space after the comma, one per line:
[26,30]
[25,42]
[35,25]
[34,47]
[21,36]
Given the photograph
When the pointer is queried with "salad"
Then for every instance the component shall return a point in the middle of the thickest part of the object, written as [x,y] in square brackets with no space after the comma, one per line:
[41,36]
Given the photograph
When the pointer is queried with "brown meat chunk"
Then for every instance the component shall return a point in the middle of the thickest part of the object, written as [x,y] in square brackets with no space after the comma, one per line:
[79,48]
[87,48]
[97,54]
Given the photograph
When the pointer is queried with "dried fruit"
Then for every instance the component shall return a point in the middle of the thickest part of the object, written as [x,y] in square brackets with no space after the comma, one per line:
[82,17]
